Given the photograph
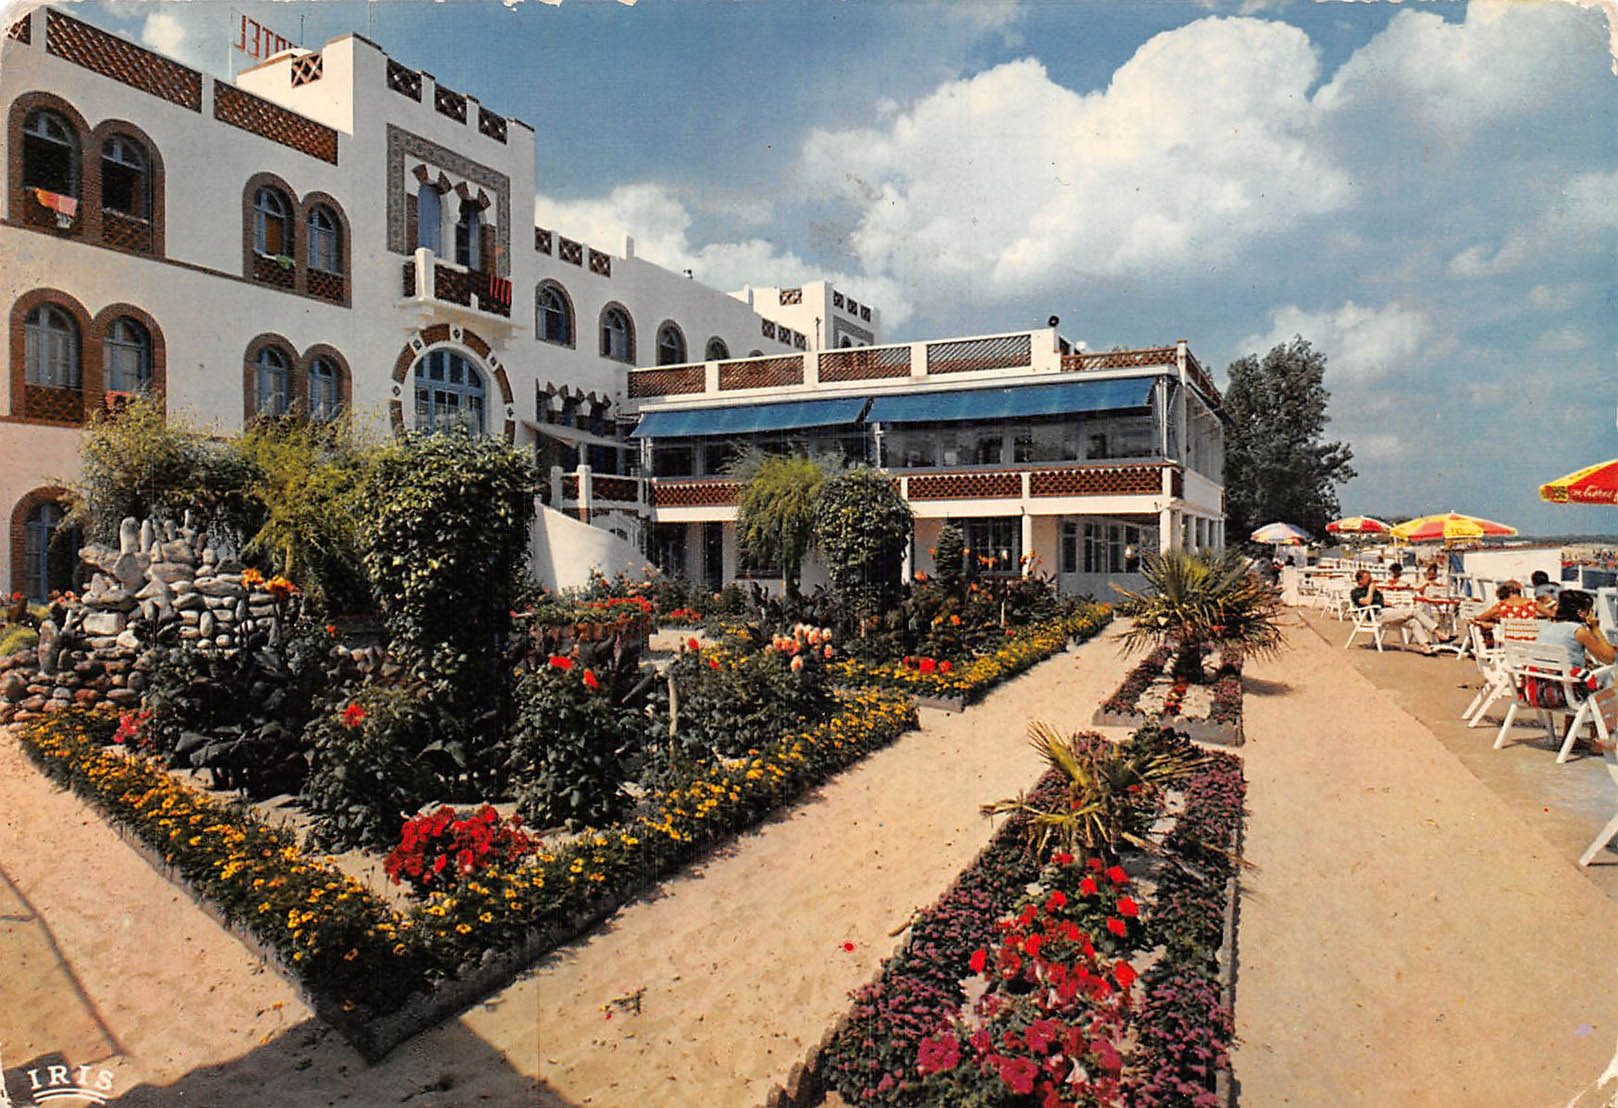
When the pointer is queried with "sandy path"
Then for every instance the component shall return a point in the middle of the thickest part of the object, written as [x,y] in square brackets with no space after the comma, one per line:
[1407,937]
[742,959]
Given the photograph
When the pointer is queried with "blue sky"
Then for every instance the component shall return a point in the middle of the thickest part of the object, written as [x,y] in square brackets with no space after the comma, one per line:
[1427,191]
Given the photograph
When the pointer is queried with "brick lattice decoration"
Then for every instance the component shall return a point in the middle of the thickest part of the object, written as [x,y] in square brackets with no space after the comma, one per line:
[409,279]
[1204,382]
[1006,352]
[242,109]
[600,263]
[329,286]
[864,363]
[542,240]
[125,62]
[761,373]
[1119,359]
[404,80]
[307,69]
[707,494]
[491,124]
[22,31]
[966,486]
[125,232]
[570,251]
[56,405]
[450,103]
[674,381]
[619,490]
[1095,481]
[791,296]
[458,286]
[1177,483]
[272,272]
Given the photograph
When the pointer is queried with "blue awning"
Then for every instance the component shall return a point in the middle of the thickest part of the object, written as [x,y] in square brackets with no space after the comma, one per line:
[747,419]
[1112,394]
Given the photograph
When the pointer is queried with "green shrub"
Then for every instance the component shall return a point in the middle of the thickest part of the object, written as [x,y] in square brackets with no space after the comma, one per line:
[570,747]
[377,759]
[862,526]
[15,637]
[949,558]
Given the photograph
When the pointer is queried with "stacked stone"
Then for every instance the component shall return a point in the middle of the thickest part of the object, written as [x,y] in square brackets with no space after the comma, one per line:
[91,652]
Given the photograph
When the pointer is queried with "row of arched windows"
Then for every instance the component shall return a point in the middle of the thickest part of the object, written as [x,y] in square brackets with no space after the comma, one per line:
[467,249]
[273,229]
[64,361]
[53,162]
[554,322]
[277,382]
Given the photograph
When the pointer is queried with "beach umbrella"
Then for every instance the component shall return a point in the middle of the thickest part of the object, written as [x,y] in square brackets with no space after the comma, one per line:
[1597,484]
[1280,534]
[1358,525]
[1450,527]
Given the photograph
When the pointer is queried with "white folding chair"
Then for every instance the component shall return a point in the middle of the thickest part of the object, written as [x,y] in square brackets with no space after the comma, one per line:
[1366,622]
[1492,668]
[1545,664]
[1589,714]
[1611,830]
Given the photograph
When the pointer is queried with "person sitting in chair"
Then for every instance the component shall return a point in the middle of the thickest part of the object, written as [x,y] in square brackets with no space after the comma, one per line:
[1419,625]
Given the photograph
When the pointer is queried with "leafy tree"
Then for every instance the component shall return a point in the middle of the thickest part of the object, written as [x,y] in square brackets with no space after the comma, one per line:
[139,461]
[949,556]
[1277,466]
[775,519]
[863,526]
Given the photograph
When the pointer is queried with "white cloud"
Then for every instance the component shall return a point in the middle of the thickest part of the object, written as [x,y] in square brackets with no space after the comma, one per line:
[1561,341]
[1361,344]
[1556,298]
[1008,181]
[660,224]
[1380,446]
[163,33]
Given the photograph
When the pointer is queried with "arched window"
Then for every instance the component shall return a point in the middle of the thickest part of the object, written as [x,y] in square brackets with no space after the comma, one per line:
[325,240]
[429,218]
[670,345]
[846,342]
[717,350]
[50,154]
[325,392]
[449,392]
[47,564]
[467,232]
[51,339]
[126,184]
[554,318]
[272,222]
[126,356]
[271,378]
[617,335]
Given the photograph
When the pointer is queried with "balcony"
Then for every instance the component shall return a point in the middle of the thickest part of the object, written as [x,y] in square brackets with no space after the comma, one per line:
[440,291]
[54,405]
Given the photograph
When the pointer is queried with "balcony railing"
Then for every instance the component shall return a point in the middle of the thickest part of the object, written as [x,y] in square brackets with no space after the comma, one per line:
[425,277]
[58,405]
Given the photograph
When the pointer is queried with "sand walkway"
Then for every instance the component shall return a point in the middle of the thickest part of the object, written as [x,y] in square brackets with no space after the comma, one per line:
[1408,937]
[743,960]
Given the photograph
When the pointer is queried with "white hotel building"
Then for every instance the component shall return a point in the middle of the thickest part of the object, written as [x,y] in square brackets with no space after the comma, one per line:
[336,230]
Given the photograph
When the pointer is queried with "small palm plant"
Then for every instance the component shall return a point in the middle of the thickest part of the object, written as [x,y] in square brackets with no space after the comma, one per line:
[1197,600]
[1109,798]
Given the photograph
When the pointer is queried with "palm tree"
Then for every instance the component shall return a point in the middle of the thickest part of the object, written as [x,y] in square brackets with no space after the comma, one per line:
[775,518]
[1201,599]
[1107,801]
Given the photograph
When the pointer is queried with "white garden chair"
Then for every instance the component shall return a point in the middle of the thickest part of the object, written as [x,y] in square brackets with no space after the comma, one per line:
[1608,832]
[1589,714]
[1545,664]
[1367,621]
[1492,668]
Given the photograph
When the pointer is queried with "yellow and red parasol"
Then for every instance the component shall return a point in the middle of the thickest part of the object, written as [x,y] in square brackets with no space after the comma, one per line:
[1359,525]
[1450,527]
[1597,484]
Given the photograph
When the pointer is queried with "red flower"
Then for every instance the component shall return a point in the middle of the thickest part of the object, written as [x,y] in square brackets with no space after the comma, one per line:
[1116,925]
[1062,859]
[1019,1073]
[561,662]
[590,681]
[928,665]
[1058,900]
[1128,907]
[1125,974]
[937,1055]
[691,644]
[1087,887]
[1094,864]
[353,716]
[1117,876]
[713,663]
[945,666]
[980,958]
[331,629]
[1041,1033]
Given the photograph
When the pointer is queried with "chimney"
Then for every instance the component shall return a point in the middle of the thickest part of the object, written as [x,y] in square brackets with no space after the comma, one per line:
[629,246]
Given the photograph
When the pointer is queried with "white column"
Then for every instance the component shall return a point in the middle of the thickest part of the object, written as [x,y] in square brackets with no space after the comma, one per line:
[1027,536]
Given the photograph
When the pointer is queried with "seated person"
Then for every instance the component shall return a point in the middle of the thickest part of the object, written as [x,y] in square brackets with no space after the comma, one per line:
[1420,625]
[1544,589]
[1396,576]
[1576,629]
[1431,588]
[1509,603]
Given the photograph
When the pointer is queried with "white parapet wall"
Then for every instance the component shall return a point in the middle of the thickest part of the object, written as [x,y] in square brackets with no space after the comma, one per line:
[565,551]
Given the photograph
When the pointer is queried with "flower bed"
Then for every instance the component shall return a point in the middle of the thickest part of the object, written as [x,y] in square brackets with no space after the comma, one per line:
[379,975]
[959,683]
[1153,675]
[1066,954]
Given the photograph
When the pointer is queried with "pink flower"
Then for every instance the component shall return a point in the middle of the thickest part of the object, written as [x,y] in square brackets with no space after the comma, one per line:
[1019,1073]
[936,1055]
[1041,1033]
